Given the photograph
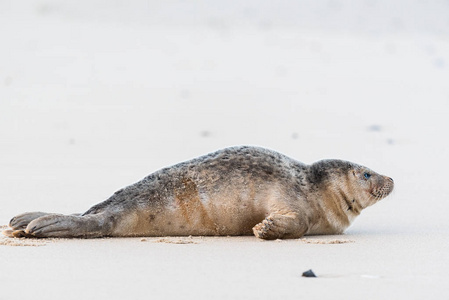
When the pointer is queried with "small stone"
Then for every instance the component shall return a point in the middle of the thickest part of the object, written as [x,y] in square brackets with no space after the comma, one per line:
[308,273]
[143,240]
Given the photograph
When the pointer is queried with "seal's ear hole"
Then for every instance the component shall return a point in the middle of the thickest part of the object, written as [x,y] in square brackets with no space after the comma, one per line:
[353,172]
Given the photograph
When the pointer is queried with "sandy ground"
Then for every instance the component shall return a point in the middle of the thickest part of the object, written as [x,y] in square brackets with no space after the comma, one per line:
[95,96]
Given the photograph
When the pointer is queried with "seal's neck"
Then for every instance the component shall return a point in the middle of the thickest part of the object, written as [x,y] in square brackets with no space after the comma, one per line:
[339,206]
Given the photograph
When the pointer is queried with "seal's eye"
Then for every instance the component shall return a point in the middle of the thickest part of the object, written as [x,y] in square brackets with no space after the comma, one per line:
[367,175]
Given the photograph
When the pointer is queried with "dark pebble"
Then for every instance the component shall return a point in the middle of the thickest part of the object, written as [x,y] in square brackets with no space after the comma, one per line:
[308,273]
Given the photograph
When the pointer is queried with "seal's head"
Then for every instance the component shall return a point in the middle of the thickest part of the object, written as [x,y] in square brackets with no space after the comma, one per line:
[371,186]
[352,187]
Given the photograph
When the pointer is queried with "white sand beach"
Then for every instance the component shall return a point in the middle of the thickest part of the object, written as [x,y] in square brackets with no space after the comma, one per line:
[96,95]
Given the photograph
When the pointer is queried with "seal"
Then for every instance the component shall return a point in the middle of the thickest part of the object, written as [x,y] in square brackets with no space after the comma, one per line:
[234,191]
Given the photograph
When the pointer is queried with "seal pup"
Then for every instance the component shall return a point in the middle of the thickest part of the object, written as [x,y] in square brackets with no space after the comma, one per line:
[234,191]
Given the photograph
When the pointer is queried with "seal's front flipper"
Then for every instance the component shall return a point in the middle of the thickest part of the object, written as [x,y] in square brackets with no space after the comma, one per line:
[278,226]
[62,226]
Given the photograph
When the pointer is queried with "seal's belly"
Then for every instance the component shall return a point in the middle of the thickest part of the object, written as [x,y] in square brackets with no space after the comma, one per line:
[196,208]
[202,215]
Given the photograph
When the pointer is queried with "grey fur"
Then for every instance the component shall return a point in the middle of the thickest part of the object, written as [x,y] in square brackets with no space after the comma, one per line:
[233,191]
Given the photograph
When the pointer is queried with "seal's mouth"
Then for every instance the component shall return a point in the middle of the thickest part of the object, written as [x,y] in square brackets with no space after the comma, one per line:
[383,191]
[380,192]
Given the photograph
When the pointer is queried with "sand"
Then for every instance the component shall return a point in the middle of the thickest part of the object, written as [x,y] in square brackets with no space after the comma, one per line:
[94,97]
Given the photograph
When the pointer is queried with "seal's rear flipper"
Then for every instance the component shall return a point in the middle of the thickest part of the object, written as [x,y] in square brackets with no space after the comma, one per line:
[21,221]
[16,233]
[72,226]
[7,233]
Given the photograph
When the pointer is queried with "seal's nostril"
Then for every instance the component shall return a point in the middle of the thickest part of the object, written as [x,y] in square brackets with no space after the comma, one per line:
[391,179]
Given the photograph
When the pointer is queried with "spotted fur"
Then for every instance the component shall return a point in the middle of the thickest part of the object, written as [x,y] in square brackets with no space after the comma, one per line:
[234,191]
